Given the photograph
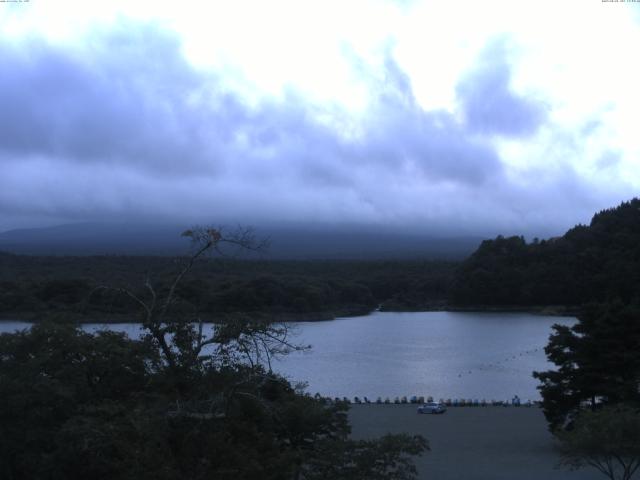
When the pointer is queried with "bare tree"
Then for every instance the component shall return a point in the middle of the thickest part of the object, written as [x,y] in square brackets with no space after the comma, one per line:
[182,341]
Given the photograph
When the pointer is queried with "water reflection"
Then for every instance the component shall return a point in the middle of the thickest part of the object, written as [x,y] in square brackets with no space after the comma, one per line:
[388,354]
[443,354]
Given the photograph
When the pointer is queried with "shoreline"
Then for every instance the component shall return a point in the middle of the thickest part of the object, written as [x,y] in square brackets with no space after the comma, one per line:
[546,310]
[288,317]
[116,318]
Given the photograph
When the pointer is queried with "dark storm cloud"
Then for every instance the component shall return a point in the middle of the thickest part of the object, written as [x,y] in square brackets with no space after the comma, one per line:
[126,103]
[125,127]
[433,145]
[489,104]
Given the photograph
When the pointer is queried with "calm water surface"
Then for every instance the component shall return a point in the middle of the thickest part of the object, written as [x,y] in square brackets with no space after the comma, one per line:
[443,354]
[388,354]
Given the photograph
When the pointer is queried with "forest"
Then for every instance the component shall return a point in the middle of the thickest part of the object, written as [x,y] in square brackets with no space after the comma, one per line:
[595,262]
[32,287]
[589,263]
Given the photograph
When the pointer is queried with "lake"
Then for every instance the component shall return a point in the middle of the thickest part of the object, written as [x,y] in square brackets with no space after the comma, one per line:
[389,354]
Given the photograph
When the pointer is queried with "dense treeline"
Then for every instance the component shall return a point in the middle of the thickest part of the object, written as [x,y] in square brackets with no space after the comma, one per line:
[589,263]
[34,286]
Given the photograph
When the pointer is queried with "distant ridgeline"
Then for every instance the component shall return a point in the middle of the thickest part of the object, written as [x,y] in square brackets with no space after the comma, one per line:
[598,262]
[589,263]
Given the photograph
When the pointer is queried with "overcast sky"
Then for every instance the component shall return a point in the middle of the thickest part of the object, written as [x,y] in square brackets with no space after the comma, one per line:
[466,117]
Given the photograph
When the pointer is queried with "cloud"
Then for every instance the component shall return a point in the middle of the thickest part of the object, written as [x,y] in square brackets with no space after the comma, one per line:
[608,159]
[124,127]
[399,134]
[489,104]
[124,102]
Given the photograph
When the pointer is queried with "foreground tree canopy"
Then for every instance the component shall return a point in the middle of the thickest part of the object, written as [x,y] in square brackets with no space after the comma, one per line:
[592,399]
[179,403]
[597,360]
[607,440]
